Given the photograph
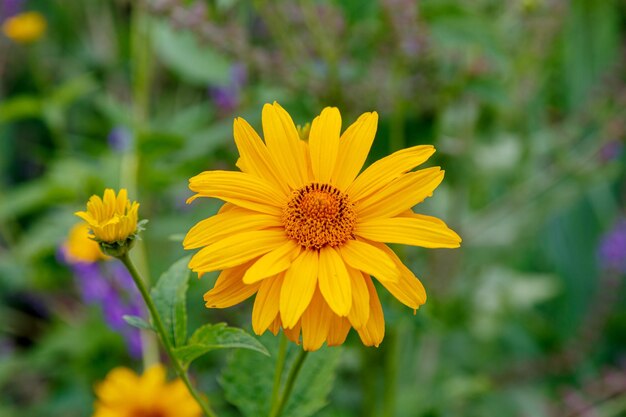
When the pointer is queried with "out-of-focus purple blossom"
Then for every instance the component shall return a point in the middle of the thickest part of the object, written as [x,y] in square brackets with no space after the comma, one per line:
[612,250]
[119,139]
[9,8]
[611,150]
[113,310]
[227,98]
[108,285]
[90,282]
[7,347]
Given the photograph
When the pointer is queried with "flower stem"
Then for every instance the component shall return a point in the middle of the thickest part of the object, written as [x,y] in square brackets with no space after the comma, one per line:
[160,329]
[278,373]
[291,380]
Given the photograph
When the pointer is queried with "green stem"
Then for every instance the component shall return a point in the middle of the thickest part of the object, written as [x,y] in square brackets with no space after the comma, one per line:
[278,373]
[160,329]
[291,380]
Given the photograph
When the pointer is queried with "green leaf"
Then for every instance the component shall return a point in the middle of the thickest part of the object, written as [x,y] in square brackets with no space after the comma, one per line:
[170,297]
[248,382]
[217,336]
[137,322]
[182,53]
[20,107]
[70,91]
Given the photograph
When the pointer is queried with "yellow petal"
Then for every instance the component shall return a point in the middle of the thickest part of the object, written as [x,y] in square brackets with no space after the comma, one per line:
[122,201]
[228,207]
[416,231]
[283,144]
[272,262]
[360,311]
[116,385]
[373,332]
[109,202]
[226,224]
[369,259]
[239,188]
[275,326]
[178,402]
[153,376]
[86,217]
[408,289]
[315,322]
[235,250]
[337,330]
[294,333]
[354,145]
[298,287]
[229,288]
[382,172]
[266,304]
[254,155]
[334,281]
[400,195]
[324,143]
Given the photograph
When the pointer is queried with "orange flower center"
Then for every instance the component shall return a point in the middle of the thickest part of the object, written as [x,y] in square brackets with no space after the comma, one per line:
[318,215]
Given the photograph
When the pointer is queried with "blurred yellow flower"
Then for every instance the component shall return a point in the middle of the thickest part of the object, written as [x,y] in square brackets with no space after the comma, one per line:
[111,219]
[303,230]
[125,394]
[79,247]
[25,27]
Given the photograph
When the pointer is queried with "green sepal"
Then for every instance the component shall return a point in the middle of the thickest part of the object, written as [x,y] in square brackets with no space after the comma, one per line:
[137,322]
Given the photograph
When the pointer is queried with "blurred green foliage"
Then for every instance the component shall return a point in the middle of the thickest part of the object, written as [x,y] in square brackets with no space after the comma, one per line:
[524,100]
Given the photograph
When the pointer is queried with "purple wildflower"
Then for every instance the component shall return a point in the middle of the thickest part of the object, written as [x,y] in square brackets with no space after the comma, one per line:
[9,8]
[612,251]
[119,139]
[227,98]
[108,285]
[611,150]
[7,347]
[90,282]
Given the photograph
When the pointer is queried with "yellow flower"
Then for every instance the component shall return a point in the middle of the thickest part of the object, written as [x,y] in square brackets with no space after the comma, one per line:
[304,231]
[25,27]
[111,219]
[125,394]
[79,247]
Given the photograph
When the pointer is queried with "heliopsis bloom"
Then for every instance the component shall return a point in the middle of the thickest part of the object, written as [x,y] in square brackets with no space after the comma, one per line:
[25,27]
[305,232]
[112,220]
[80,248]
[125,394]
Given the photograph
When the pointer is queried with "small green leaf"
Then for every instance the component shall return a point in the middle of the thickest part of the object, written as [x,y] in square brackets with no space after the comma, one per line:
[217,336]
[137,322]
[170,297]
[20,107]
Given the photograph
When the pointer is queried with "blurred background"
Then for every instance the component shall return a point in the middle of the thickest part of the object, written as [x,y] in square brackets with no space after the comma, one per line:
[525,101]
